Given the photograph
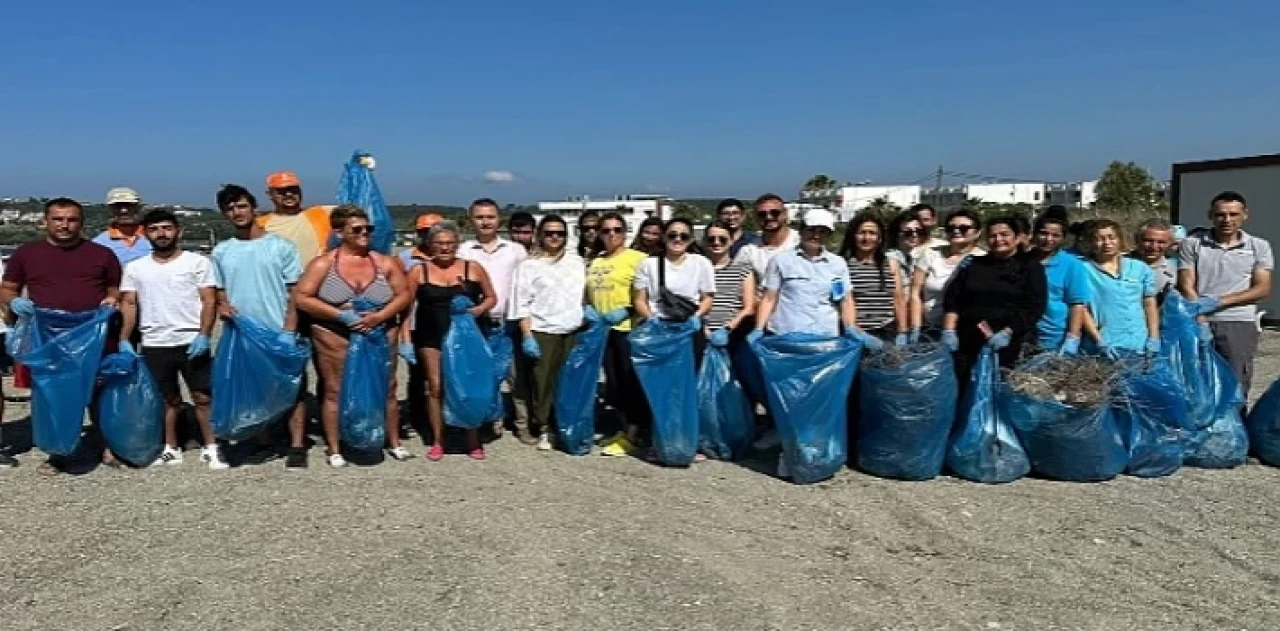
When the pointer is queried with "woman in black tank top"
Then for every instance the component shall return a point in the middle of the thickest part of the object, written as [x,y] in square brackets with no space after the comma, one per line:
[435,284]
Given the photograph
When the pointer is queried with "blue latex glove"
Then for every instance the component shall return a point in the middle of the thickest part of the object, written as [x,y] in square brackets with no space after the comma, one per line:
[951,340]
[617,315]
[124,346]
[1070,346]
[754,335]
[914,336]
[590,314]
[1206,332]
[696,322]
[1207,304]
[198,347]
[1109,352]
[902,339]
[460,304]
[348,317]
[720,337]
[22,307]
[1153,346]
[530,348]
[999,340]
[405,350]
[870,342]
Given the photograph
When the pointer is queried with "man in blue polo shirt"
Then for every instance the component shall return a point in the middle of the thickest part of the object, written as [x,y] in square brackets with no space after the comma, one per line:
[1068,286]
[1227,272]
[123,235]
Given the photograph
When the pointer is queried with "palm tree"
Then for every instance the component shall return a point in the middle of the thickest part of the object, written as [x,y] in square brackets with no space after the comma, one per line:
[820,182]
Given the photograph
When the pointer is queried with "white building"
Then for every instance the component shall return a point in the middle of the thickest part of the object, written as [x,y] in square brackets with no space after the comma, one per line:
[1031,193]
[846,201]
[1072,194]
[634,208]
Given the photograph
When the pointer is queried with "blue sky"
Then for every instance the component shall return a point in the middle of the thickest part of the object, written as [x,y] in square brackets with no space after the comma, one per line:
[695,98]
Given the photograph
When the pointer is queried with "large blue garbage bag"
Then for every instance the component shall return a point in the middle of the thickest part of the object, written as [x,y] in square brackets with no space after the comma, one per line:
[906,414]
[1152,415]
[62,350]
[662,353]
[726,418]
[807,378]
[358,187]
[1065,442]
[985,447]
[1181,347]
[366,379]
[468,371]
[257,371]
[575,404]
[1224,443]
[503,351]
[131,409]
[1264,426]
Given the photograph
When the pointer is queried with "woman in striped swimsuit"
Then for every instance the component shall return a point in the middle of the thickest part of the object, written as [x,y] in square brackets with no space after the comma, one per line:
[875,279]
[328,290]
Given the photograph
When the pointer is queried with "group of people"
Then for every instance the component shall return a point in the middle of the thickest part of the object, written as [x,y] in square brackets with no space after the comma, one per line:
[1003,283]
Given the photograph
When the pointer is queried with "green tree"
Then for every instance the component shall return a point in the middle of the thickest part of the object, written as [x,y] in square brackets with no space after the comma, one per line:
[820,182]
[882,208]
[1128,190]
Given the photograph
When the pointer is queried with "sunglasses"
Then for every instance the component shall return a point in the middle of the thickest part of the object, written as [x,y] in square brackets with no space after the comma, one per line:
[288,190]
[717,240]
[961,228]
[679,236]
[611,231]
[589,228]
[358,230]
[555,233]
[772,214]
[911,232]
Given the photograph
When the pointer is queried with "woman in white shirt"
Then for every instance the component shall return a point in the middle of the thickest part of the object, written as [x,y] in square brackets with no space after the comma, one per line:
[546,299]
[935,267]
[688,276]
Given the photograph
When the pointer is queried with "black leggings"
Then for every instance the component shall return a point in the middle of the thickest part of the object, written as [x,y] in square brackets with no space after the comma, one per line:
[622,387]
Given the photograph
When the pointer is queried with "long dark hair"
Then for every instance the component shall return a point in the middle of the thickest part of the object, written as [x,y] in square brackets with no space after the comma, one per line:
[586,249]
[636,243]
[849,247]
[542,225]
[894,236]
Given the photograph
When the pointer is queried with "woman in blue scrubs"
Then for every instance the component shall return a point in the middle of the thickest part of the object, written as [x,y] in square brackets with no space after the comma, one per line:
[1122,316]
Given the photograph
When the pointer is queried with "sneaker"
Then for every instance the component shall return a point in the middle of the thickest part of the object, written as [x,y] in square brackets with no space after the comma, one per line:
[168,456]
[766,442]
[297,459]
[435,453]
[399,454]
[619,446]
[336,460]
[526,437]
[212,456]
[7,461]
[544,442]
[783,470]
[262,456]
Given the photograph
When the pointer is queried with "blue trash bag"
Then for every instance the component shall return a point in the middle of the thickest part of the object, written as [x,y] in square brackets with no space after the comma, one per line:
[1264,426]
[1224,443]
[1065,442]
[503,351]
[662,353]
[468,371]
[746,365]
[62,350]
[366,378]
[808,378]
[726,418]
[575,401]
[906,410]
[359,187]
[1152,416]
[1181,348]
[131,410]
[257,372]
[985,447]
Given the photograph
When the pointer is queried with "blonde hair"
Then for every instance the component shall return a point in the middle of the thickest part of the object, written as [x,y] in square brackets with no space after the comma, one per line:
[339,216]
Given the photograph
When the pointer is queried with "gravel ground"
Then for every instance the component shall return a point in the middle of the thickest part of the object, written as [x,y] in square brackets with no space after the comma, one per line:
[538,540]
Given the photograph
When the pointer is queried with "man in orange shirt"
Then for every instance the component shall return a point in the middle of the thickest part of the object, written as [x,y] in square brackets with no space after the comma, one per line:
[308,230]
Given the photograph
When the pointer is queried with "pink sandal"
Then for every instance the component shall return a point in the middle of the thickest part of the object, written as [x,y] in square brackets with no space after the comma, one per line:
[476,453]
[435,453]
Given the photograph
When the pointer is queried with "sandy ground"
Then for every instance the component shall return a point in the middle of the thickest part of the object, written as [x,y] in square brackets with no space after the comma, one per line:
[545,540]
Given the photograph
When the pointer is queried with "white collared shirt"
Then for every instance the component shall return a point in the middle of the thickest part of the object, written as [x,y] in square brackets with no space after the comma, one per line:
[549,292]
[500,264]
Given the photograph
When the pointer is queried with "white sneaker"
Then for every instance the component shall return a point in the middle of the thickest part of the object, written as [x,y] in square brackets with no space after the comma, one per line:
[767,442]
[336,461]
[544,442]
[169,456]
[211,455]
[399,453]
[783,470]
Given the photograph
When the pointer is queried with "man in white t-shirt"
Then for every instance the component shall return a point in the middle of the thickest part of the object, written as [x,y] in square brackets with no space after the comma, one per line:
[178,309]
[776,235]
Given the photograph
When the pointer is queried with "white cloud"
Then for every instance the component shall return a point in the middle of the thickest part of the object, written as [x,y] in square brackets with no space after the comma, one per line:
[500,177]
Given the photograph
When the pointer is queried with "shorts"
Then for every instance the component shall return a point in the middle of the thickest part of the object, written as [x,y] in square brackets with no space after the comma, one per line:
[167,363]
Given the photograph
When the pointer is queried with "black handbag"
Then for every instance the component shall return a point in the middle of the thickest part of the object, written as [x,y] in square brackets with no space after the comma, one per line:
[675,307]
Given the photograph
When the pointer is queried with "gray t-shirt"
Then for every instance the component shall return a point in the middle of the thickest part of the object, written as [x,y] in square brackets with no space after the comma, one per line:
[1222,270]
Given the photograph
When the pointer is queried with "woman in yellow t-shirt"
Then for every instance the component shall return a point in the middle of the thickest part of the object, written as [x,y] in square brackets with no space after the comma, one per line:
[609,280]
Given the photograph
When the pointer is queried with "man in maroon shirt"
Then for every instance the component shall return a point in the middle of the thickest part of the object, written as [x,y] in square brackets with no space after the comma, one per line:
[64,271]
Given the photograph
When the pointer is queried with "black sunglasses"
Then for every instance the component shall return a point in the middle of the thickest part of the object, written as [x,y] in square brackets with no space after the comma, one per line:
[678,236]
[772,214]
[717,240]
[361,229]
[288,190]
[911,232]
[611,231]
[591,228]
[555,233]
[961,228]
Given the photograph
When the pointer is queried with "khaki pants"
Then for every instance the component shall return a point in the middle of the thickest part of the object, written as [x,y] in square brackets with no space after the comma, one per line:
[541,376]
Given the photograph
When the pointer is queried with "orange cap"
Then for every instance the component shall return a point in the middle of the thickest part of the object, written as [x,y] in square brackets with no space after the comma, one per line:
[283,179]
[426,220]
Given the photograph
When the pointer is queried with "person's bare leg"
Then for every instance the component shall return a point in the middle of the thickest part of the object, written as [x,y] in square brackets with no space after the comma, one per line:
[393,404]
[331,353]
[202,403]
[435,394]
[171,409]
